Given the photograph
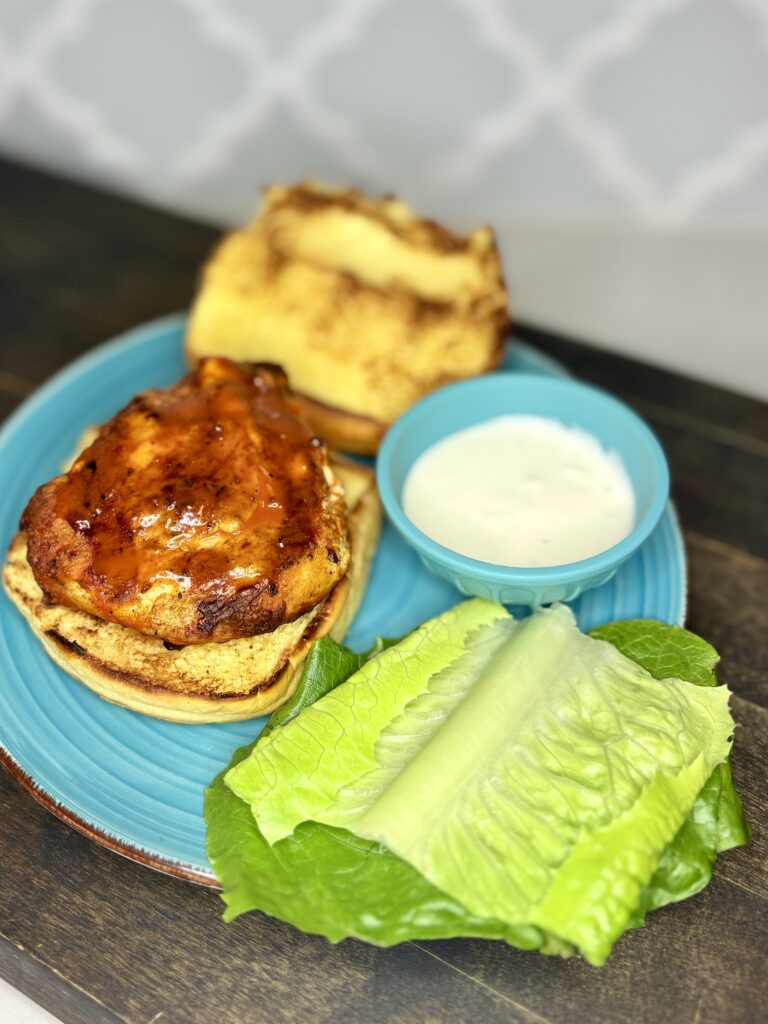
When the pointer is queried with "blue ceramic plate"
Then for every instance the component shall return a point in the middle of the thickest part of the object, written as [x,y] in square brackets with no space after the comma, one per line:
[136,784]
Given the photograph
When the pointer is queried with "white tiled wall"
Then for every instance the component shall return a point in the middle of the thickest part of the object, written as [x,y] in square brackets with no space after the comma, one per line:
[580,116]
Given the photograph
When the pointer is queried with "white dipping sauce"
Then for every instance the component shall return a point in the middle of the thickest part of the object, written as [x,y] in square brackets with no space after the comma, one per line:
[521,490]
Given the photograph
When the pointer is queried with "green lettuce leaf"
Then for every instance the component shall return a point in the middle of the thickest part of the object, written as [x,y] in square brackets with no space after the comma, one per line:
[667,652]
[330,882]
[301,764]
[716,821]
[327,665]
[553,765]
[327,880]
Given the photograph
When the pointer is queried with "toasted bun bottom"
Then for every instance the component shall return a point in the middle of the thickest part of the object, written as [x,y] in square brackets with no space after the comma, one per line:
[202,683]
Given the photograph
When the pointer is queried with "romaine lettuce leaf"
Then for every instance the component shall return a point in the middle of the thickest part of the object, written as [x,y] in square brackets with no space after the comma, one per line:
[327,665]
[326,880]
[329,881]
[716,821]
[553,765]
[334,738]
[667,652]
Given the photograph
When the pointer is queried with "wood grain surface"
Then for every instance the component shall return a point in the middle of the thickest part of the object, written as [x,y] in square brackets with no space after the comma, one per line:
[93,937]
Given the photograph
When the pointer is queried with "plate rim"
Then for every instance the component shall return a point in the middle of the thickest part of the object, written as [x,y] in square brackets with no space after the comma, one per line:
[29,408]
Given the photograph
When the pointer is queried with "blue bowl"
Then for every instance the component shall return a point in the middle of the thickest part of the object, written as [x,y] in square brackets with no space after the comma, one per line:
[574,404]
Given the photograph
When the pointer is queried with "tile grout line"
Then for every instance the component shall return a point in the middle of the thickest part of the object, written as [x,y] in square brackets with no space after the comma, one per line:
[489,988]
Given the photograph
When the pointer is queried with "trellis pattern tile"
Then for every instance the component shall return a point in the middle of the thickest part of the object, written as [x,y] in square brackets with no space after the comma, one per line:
[648,111]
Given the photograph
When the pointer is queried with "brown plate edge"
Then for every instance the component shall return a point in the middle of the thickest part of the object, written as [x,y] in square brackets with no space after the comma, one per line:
[166,867]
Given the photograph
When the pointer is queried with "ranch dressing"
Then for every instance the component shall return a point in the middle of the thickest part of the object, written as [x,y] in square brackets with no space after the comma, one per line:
[521,490]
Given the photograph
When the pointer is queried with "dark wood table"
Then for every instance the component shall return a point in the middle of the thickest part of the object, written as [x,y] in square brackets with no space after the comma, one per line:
[94,937]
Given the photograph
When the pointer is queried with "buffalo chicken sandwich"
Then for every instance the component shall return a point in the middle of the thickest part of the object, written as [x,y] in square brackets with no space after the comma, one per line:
[193,551]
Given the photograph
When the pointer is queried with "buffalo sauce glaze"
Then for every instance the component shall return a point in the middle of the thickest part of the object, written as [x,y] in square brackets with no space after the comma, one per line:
[199,493]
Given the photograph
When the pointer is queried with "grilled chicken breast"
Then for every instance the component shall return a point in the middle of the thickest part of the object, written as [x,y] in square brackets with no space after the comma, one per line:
[202,513]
